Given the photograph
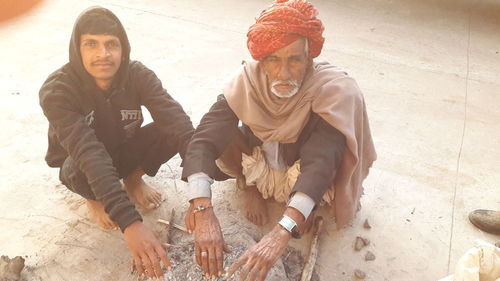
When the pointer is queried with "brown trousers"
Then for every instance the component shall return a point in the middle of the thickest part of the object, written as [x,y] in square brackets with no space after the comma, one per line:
[231,157]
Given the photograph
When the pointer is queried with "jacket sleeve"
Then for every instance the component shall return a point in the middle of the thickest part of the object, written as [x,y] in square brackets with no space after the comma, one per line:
[167,113]
[214,133]
[81,143]
[320,157]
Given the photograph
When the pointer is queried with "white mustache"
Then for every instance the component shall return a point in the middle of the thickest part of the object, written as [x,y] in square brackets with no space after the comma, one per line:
[294,83]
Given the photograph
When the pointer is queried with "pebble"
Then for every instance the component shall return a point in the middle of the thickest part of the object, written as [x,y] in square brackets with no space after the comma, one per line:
[359,274]
[369,256]
[360,243]
[367,225]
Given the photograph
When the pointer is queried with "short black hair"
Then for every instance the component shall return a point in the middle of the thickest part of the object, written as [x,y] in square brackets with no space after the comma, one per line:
[96,23]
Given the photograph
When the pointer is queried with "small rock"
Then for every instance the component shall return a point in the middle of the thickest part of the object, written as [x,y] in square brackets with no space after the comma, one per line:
[366,241]
[359,274]
[367,225]
[10,269]
[360,243]
[369,256]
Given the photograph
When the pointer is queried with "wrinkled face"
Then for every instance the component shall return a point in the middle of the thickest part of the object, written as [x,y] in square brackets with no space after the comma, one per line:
[101,56]
[286,68]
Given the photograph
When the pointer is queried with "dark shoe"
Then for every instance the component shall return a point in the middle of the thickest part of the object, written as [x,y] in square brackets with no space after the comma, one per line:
[486,220]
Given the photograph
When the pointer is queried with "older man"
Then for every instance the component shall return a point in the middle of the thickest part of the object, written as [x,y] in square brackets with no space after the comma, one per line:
[305,140]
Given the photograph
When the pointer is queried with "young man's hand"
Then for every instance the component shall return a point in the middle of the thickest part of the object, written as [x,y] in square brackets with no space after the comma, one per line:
[209,242]
[146,250]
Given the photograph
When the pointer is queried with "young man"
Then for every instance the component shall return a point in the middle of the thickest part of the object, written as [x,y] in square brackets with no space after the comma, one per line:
[93,105]
[305,140]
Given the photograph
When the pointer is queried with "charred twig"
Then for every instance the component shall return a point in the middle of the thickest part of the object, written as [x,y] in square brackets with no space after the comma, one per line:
[313,253]
[167,215]
[179,227]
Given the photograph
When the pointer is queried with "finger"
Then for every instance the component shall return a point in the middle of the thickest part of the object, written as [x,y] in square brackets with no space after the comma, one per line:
[158,196]
[187,220]
[155,263]
[197,254]
[148,266]
[255,271]
[204,262]
[132,266]
[220,261]
[226,249]
[212,263]
[246,269]
[263,274]
[192,222]
[155,200]
[236,265]
[163,256]
[138,265]
[166,245]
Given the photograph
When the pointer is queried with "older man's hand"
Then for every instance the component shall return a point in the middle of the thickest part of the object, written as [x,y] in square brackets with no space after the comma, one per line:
[258,260]
[208,239]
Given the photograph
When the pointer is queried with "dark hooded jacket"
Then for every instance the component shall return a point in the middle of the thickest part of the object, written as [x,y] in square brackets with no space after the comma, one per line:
[87,123]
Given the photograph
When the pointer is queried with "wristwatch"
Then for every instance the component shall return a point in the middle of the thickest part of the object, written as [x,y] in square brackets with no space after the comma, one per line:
[201,208]
[290,225]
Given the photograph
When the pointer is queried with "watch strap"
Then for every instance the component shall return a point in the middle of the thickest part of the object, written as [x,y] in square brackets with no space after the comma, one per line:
[289,225]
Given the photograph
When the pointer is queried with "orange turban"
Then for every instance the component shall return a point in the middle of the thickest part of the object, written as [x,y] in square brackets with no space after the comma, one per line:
[283,23]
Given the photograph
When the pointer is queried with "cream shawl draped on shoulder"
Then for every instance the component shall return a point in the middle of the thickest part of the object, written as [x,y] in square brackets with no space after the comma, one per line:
[326,91]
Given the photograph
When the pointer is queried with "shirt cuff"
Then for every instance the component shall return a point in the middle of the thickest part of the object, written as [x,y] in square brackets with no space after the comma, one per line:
[199,186]
[303,203]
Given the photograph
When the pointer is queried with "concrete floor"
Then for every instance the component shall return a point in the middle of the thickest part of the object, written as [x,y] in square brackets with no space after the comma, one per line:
[430,74]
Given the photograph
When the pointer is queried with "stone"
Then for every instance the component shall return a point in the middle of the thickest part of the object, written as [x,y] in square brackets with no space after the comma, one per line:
[369,256]
[359,274]
[360,243]
[367,225]
[10,269]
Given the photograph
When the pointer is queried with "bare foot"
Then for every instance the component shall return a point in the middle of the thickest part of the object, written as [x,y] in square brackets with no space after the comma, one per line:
[98,215]
[307,226]
[255,205]
[140,192]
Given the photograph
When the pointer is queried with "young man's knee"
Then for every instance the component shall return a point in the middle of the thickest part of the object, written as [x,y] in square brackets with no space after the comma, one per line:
[75,180]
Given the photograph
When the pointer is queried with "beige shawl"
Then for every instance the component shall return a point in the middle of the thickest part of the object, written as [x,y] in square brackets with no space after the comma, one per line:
[330,93]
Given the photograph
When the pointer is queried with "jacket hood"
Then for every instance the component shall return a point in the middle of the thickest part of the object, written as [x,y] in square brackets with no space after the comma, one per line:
[75,57]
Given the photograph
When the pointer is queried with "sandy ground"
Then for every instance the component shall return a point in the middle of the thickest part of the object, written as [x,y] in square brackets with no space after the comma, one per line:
[430,74]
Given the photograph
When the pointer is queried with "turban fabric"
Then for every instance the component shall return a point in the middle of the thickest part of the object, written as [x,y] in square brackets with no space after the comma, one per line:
[283,23]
